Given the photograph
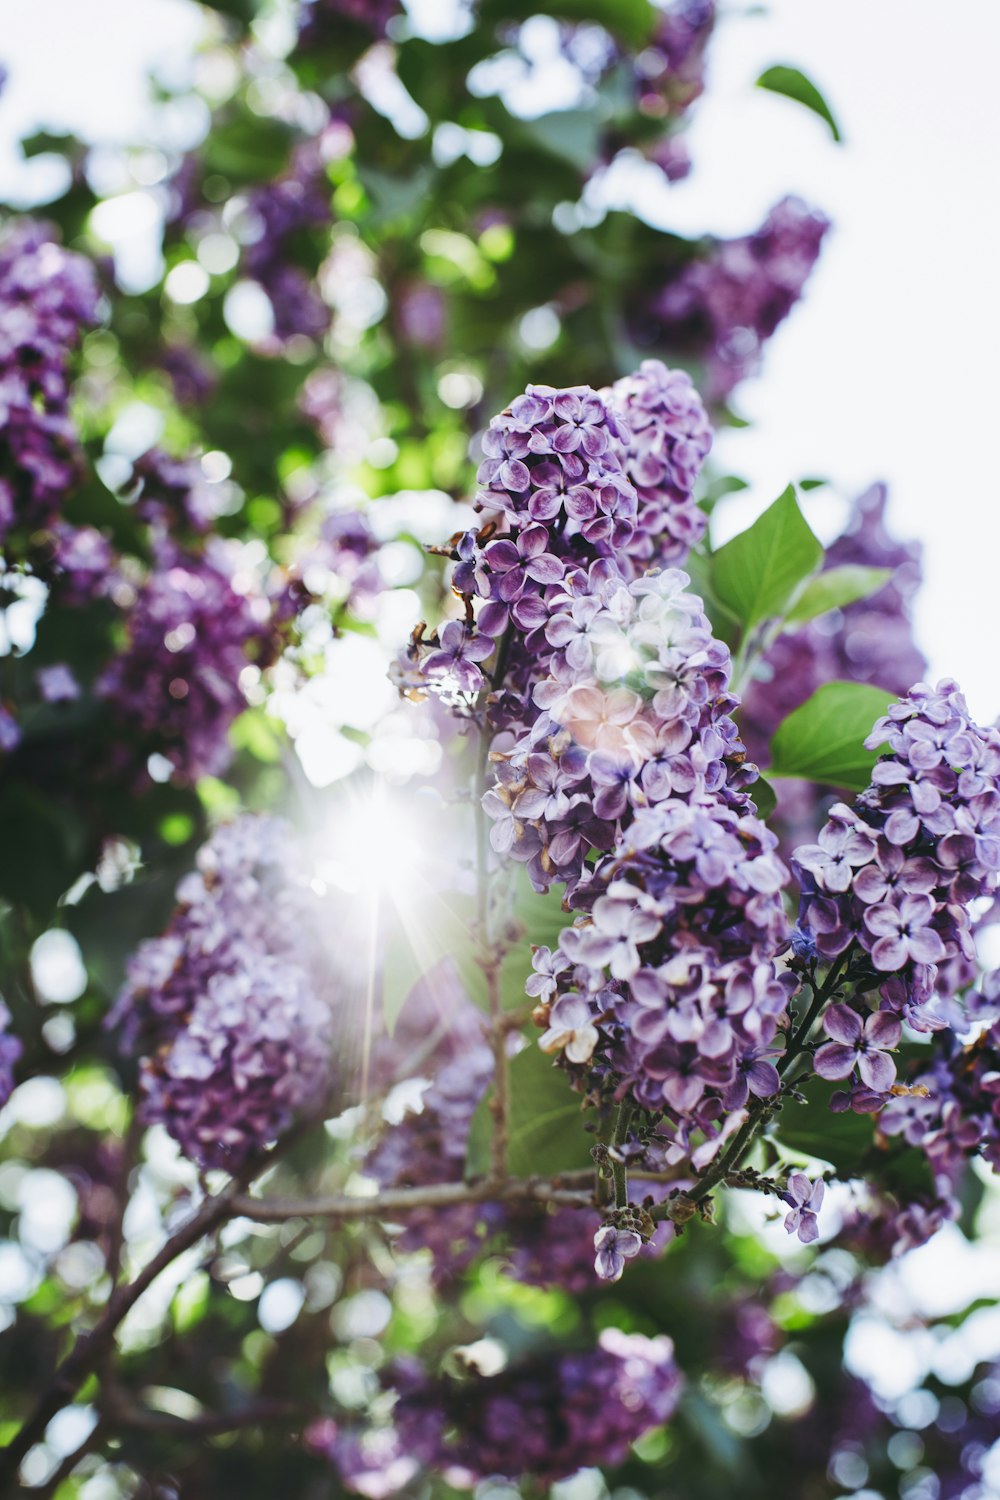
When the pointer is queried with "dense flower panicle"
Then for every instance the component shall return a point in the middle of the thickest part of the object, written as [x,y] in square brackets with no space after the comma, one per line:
[83,564]
[953,1109]
[553,484]
[676,964]
[635,709]
[175,687]
[724,306]
[556,483]
[670,438]
[174,494]
[870,640]
[546,1417]
[48,297]
[252,1054]
[10,1051]
[233,1005]
[895,876]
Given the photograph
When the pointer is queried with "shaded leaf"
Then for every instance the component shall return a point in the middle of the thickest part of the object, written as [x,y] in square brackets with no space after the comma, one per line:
[834,588]
[545,1124]
[823,740]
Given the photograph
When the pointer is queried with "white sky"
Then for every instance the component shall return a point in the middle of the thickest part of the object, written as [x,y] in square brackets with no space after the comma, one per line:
[890,367]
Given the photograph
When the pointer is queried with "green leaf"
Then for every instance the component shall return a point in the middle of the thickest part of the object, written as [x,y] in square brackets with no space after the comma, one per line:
[545,1131]
[572,135]
[834,588]
[757,574]
[851,1144]
[794,84]
[812,1129]
[764,797]
[824,739]
[442,929]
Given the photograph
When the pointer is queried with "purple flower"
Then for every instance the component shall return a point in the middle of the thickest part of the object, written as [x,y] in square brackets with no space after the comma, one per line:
[670,437]
[571,1029]
[865,1046]
[806,1199]
[614,1247]
[175,686]
[900,927]
[10,1051]
[56,683]
[48,297]
[456,660]
[725,306]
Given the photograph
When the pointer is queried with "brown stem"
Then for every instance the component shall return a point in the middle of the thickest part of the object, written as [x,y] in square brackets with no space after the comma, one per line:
[401,1200]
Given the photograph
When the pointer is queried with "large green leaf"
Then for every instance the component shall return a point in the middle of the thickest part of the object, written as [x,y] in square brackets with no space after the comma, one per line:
[793,84]
[441,928]
[824,739]
[756,575]
[851,1143]
[545,1131]
[834,588]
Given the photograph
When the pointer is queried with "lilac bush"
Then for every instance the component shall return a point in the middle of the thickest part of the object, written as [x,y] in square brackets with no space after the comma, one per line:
[48,298]
[569,1411]
[191,630]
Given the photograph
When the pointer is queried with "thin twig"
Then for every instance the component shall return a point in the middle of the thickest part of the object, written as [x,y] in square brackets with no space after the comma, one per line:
[89,1351]
[401,1200]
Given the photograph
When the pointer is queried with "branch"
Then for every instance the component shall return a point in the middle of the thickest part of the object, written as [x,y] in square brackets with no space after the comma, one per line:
[90,1349]
[400,1200]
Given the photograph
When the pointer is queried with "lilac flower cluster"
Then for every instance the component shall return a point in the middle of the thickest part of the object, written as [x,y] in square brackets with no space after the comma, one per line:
[635,710]
[669,440]
[671,984]
[173,494]
[568,1411]
[556,474]
[670,71]
[10,1051]
[893,878]
[232,1005]
[868,641]
[723,306]
[553,473]
[283,211]
[952,1109]
[48,296]
[350,548]
[193,627]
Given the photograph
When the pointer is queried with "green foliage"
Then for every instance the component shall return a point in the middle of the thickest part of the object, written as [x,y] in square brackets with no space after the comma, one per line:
[793,84]
[758,573]
[835,587]
[823,740]
[545,1132]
